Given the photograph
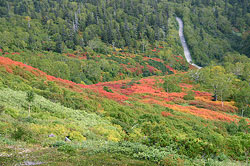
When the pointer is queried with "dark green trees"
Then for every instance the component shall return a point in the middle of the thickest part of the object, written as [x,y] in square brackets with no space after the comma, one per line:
[52,25]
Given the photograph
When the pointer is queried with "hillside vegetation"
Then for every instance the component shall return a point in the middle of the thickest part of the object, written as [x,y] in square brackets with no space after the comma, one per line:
[105,82]
[136,118]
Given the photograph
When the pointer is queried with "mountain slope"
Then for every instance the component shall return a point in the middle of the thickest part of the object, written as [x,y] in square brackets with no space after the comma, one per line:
[105,82]
[138,111]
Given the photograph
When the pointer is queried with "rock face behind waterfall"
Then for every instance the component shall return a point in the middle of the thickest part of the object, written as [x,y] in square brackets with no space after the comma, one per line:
[184,44]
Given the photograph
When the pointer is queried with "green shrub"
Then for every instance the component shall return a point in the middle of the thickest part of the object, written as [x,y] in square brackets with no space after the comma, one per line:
[29,120]
[135,150]
[23,133]
[12,112]
[107,89]
[232,127]
[132,82]
[171,84]
[58,144]
[190,95]
[7,141]
[68,148]
[4,127]
[124,86]
[2,108]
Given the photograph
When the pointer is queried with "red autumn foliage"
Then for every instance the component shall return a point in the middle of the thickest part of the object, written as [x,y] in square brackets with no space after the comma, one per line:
[15,53]
[114,96]
[152,69]
[137,69]
[166,114]
[9,70]
[79,55]
[204,113]
[83,57]
[155,59]
[180,57]
[199,93]
[171,69]
[9,64]
[71,55]
[188,86]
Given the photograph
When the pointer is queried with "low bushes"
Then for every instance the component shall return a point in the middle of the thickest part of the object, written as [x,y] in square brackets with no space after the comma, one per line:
[190,95]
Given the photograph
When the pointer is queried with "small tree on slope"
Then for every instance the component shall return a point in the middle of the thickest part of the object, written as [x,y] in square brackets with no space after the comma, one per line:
[30,97]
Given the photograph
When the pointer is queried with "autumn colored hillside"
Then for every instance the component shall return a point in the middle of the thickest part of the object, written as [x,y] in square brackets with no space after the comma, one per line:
[146,90]
[124,82]
[134,112]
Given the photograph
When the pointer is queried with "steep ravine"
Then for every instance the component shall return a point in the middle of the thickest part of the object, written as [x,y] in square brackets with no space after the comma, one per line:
[184,44]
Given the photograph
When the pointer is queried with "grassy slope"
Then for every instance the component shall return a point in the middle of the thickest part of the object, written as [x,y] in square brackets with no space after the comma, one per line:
[133,111]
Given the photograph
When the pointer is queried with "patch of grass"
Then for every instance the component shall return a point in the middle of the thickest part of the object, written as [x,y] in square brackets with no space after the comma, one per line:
[54,157]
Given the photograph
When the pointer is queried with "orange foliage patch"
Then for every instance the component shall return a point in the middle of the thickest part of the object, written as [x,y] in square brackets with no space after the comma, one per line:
[166,114]
[9,64]
[188,86]
[204,95]
[214,105]
[204,113]
[155,59]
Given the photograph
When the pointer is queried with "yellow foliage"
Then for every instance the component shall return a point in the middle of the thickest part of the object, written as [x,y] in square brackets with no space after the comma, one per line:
[118,49]
[27,18]
[110,133]
[57,129]
[181,136]
[112,138]
[75,135]
[218,70]
[204,99]
[60,130]
[136,135]
[39,129]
